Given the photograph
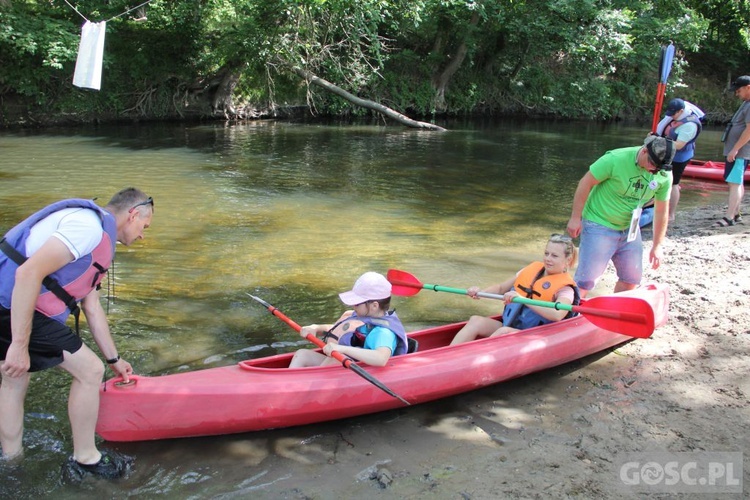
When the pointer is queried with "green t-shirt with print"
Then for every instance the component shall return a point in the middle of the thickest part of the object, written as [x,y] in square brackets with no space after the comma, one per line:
[623,187]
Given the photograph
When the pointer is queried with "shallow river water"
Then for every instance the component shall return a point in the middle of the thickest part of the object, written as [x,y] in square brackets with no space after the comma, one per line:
[293,213]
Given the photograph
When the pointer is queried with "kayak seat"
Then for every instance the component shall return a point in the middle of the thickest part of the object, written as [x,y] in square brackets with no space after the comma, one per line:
[413,345]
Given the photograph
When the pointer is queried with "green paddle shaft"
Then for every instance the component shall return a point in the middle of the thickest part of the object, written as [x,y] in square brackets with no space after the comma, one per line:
[626,315]
[519,300]
[618,315]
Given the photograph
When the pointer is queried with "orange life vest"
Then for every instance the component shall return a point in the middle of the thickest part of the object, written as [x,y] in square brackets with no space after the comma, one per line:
[532,283]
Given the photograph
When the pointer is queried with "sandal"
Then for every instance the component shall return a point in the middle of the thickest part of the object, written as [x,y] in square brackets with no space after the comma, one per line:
[738,218]
[724,222]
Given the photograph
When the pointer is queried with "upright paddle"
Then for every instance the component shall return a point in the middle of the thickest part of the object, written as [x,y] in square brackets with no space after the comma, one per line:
[344,360]
[627,315]
[665,66]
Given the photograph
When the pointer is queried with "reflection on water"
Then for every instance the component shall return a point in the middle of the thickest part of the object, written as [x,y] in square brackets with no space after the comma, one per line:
[292,213]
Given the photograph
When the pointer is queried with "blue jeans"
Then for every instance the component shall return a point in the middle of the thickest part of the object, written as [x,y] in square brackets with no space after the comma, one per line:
[600,244]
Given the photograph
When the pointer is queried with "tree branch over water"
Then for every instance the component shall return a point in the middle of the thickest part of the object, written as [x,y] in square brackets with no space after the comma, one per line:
[365,103]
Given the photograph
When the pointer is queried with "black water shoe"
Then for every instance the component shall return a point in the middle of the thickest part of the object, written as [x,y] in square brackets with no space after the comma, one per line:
[112,465]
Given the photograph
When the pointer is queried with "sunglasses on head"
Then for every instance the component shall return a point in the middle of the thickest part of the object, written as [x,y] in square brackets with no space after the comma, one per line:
[557,237]
[149,201]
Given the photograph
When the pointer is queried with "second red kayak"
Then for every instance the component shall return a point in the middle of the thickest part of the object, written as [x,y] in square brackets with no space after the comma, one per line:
[709,170]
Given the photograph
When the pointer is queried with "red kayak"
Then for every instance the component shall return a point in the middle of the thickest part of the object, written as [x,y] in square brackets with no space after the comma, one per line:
[264,393]
[710,170]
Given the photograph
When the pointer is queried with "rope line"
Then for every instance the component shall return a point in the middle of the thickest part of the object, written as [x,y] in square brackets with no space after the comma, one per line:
[131,10]
[113,17]
[69,5]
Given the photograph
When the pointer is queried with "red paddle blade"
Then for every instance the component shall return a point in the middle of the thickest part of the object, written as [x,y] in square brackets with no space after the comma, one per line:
[628,315]
[403,283]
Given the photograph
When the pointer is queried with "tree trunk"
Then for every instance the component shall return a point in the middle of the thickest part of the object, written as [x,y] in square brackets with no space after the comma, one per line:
[222,99]
[384,110]
[441,80]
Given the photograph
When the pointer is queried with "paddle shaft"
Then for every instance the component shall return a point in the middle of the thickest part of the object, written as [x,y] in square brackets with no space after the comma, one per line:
[660,90]
[609,316]
[344,360]
[487,295]
[568,307]
[541,303]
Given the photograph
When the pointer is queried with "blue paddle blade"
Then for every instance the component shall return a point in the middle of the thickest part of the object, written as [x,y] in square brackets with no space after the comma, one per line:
[665,65]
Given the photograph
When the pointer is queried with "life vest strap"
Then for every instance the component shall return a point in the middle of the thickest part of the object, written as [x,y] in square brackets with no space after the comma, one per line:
[49,282]
[330,335]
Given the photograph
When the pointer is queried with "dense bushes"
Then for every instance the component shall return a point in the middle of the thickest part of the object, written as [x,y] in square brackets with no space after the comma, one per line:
[593,59]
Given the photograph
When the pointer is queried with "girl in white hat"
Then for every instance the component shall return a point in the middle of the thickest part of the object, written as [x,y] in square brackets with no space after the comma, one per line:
[369,332]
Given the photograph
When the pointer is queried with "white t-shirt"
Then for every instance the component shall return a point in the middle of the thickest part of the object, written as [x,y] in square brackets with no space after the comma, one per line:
[565,292]
[80,229]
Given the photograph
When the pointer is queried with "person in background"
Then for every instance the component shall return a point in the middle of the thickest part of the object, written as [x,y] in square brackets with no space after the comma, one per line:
[647,214]
[681,124]
[547,280]
[736,141]
[607,207]
[369,332]
[51,265]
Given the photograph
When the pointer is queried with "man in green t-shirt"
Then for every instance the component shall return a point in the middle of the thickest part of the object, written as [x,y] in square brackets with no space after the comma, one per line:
[606,211]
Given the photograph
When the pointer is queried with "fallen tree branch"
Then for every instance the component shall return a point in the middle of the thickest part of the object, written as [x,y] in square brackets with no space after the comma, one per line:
[365,103]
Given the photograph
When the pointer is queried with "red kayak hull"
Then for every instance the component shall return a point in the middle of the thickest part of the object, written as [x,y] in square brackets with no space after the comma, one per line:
[264,394]
[709,170]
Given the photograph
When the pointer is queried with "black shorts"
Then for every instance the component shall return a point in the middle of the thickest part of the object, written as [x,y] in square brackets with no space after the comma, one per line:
[678,167]
[49,338]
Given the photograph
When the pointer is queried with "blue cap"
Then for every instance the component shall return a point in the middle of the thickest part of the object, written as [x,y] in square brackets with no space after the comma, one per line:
[674,106]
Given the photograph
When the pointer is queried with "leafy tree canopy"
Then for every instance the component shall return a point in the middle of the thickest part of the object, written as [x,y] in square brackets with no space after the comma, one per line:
[572,58]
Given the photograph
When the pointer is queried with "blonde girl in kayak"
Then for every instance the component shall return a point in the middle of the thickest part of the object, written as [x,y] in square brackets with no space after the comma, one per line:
[548,280]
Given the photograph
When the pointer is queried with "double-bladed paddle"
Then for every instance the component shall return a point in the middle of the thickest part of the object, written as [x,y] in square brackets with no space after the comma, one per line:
[665,67]
[344,360]
[627,315]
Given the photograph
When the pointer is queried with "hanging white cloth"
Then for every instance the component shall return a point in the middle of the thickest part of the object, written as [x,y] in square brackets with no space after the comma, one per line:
[88,73]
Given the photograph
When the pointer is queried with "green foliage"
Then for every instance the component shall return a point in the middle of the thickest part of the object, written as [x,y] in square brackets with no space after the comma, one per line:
[33,50]
[728,33]
[405,84]
[571,58]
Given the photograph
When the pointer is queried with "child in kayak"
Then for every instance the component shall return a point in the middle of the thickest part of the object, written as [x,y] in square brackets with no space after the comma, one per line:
[369,332]
[547,281]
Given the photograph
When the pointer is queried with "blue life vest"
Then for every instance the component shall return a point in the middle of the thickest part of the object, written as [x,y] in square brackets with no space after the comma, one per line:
[77,278]
[389,321]
[688,150]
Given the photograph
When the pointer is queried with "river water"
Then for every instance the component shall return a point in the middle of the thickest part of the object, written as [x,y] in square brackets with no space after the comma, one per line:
[293,213]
